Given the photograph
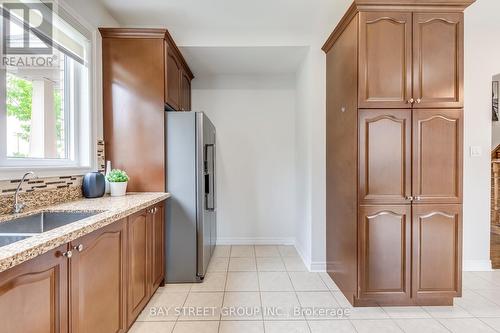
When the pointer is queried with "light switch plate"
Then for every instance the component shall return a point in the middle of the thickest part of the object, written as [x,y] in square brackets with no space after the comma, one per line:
[475,151]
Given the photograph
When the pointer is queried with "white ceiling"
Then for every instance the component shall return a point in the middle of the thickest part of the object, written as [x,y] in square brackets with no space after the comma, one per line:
[205,61]
[240,15]
[236,36]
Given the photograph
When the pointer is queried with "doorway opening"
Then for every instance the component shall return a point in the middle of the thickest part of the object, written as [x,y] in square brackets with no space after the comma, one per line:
[495,173]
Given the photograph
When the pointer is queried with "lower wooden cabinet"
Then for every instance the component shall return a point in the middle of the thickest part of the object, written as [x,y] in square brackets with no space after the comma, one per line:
[138,256]
[385,253]
[409,254]
[157,246]
[34,295]
[437,253]
[98,283]
[146,253]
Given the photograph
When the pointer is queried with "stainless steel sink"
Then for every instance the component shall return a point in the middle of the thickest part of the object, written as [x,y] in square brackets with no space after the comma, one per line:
[27,226]
[9,239]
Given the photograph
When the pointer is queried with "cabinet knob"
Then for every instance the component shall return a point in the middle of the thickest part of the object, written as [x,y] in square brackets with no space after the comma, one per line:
[411,101]
[418,198]
[409,198]
[419,100]
[78,248]
[68,254]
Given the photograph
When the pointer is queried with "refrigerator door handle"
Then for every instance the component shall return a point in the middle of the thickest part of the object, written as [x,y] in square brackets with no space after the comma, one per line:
[209,177]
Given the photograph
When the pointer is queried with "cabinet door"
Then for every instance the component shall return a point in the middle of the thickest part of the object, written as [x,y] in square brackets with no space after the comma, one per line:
[173,80]
[98,281]
[138,255]
[34,295]
[384,156]
[437,248]
[437,160]
[133,110]
[384,253]
[438,60]
[186,92]
[385,60]
[157,220]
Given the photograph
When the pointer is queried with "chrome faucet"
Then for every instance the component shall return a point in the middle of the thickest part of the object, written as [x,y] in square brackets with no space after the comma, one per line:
[18,207]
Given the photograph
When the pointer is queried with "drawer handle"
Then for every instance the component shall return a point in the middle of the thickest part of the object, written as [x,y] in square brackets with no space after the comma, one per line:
[68,254]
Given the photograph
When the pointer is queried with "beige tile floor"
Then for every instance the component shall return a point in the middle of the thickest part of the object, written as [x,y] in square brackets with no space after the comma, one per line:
[241,279]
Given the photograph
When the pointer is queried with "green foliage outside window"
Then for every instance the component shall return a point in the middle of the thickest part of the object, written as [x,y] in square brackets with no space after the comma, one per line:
[19,105]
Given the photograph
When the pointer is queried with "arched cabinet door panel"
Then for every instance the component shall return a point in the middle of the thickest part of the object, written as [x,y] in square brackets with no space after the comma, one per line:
[138,284]
[385,60]
[437,248]
[385,253]
[437,156]
[438,60]
[34,295]
[98,281]
[384,156]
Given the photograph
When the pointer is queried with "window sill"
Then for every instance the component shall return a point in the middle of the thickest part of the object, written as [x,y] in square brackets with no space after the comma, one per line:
[7,173]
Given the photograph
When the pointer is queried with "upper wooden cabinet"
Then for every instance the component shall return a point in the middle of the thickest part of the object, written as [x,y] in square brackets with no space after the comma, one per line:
[437,156]
[438,60]
[173,80]
[178,78]
[185,92]
[410,60]
[143,74]
[385,60]
[384,156]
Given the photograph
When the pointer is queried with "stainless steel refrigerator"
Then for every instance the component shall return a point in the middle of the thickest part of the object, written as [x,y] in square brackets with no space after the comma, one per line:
[191,225]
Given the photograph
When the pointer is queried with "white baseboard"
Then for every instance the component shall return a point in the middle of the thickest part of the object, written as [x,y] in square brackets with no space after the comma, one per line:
[318,266]
[476,265]
[305,258]
[255,241]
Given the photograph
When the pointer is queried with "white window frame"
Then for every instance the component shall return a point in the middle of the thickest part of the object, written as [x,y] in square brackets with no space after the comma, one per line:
[84,126]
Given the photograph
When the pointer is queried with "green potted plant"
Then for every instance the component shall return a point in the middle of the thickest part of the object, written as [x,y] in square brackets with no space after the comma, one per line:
[118,180]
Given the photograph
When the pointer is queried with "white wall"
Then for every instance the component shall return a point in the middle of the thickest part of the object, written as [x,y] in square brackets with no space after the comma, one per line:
[482,61]
[254,117]
[311,141]
[93,11]
[95,16]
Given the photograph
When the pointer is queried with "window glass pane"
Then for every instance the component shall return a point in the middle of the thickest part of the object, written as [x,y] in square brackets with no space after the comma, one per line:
[37,114]
[44,73]
[19,101]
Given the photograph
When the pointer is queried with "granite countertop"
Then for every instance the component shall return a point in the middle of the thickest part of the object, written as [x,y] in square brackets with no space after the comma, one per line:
[110,210]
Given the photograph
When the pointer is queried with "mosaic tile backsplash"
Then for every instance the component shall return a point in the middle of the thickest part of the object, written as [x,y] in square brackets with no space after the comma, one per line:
[39,192]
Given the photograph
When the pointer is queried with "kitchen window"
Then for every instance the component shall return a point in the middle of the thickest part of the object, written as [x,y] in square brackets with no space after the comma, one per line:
[45,114]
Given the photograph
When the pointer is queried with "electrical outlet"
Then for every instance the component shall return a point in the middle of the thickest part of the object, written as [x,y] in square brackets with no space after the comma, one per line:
[475,151]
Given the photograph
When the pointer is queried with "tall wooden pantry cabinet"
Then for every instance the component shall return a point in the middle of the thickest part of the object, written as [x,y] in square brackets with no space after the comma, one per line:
[143,73]
[394,145]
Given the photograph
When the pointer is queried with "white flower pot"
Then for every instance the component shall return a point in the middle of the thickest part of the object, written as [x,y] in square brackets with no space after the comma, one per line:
[118,189]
